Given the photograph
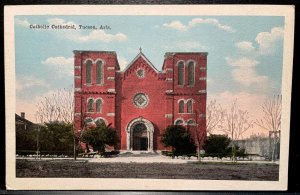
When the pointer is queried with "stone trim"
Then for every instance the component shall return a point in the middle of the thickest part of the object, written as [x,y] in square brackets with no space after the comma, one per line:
[110,78]
[202,115]
[169,69]
[77,77]
[169,91]
[168,115]
[202,68]
[110,68]
[150,131]
[111,90]
[110,114]
[169,79]
[202,78]
[77,114]
[77,89]
[77,67]
[202,91]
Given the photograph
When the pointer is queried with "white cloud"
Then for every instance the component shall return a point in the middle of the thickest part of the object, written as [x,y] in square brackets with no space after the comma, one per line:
[28,82]
[183,46]
[242,62]
[245,46]
[63,66]
[23,23]
[59,21]
[244,71]
[248,76]
[267,40]
[122,62]
[98,35]
[94,35]
[176,24]
[210,21]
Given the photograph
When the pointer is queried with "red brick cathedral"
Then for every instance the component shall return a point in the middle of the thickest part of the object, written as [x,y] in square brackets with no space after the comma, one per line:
[140,101]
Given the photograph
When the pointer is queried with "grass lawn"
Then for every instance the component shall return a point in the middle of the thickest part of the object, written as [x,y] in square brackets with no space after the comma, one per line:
[84,169]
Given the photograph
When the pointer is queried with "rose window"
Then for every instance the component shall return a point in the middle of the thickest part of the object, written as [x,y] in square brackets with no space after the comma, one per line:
[140,100]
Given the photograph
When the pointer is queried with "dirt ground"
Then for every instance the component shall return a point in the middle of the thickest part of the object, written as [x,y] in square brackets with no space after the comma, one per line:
[84,169]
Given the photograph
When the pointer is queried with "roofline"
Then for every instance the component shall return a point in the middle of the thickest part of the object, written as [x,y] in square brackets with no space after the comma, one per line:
[146,59]
[95,51]
[173,53]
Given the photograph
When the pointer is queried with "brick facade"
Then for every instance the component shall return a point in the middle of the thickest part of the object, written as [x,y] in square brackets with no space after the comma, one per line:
[140,101]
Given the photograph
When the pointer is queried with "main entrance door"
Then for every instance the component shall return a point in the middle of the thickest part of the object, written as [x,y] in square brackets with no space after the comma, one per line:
[140,138]
[140,134]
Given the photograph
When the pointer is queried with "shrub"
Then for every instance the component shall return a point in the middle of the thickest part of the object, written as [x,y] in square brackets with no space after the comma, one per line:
[217,145]
[179,139]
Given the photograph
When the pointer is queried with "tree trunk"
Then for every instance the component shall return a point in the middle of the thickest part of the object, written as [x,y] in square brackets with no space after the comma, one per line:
[74,148]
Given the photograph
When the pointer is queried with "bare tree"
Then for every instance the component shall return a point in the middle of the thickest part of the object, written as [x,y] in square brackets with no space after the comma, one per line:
[214,116]
[59,106]
[271,120]
[236,123]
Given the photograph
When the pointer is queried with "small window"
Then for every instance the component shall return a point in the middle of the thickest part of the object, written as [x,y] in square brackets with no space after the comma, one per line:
[191,123]
[98,105]
[180,73]
[179,122]
[89,67]
[90,105]
[190,106]
[191,73]
[99,72]
[100,121]
[181,106]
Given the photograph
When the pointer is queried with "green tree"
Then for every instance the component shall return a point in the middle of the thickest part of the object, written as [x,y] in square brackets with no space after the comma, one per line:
[99,137]
[179,139]
[56,136]
[217,145]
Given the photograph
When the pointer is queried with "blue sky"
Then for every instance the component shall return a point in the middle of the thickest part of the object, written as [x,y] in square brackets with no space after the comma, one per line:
[244,60]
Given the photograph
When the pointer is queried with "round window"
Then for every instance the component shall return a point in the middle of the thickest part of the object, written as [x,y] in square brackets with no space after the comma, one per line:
[140,73]
[140,100]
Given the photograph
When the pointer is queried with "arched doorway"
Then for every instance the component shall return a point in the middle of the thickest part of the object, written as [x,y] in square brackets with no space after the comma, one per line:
[140,138]
[140,135]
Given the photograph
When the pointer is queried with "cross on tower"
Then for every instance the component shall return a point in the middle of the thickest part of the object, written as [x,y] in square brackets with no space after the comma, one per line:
[140,49]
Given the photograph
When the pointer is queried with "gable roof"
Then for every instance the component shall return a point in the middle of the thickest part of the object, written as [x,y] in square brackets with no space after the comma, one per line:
[137,57]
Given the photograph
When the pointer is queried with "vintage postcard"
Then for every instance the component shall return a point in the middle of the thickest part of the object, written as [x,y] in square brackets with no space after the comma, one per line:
[149,97]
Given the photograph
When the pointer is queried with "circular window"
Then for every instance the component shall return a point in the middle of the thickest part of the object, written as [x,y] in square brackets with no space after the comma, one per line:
[140,73]
[140,100]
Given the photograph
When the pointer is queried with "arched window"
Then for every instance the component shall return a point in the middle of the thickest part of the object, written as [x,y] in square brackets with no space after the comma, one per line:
[89,69]
[181,106]
[99,72]
[179,122]
[191,73]
[98,105]
[90,105]
[189,106]
[99,122]
[191,122]
[180,73]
